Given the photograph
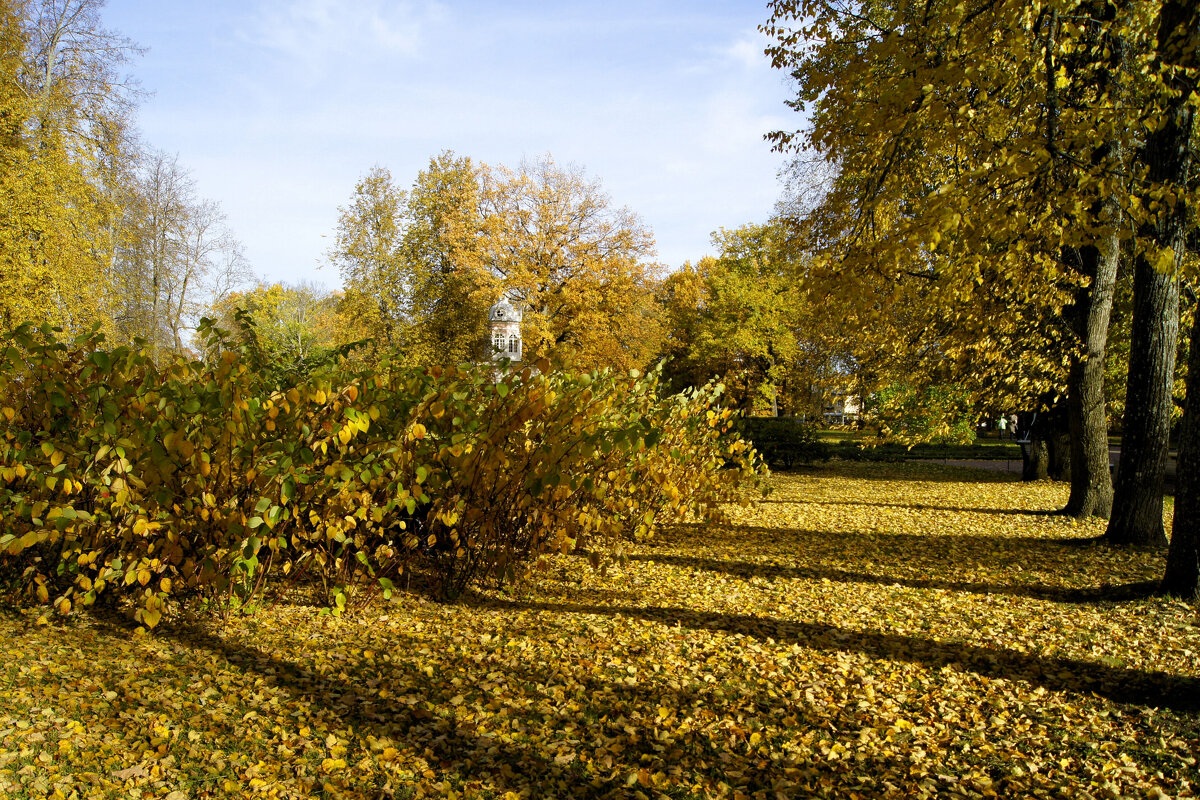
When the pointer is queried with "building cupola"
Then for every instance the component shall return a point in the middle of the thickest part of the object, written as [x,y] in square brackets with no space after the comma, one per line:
[504,325]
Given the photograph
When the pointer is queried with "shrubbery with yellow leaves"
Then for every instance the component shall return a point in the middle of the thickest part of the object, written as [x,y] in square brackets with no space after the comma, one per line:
[149,483]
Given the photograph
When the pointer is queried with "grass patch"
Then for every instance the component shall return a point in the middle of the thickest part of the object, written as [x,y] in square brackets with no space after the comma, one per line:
[886,630]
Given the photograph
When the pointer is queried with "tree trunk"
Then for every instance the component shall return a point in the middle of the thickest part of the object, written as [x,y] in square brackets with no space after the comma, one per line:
[1035,460]
[1087,413]
[1137,505]
[1137,517]
[1038,458]
[1091,481]
[1182,575]
[1059,444]
[1179,43]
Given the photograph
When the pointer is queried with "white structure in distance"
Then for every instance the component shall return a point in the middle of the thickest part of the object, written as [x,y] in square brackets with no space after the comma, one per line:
[504,325]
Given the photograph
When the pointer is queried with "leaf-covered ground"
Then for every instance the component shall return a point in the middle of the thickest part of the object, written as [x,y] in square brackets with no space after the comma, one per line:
[870,630]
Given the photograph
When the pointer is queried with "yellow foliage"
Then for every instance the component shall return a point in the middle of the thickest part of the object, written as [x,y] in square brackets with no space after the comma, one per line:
[875,630]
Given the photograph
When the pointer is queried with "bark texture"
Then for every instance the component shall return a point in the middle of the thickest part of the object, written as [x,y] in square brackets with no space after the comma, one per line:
[1182,574]
[1137,516]
[1179,43]
[1035,460]
[1087,413]
[1046,453]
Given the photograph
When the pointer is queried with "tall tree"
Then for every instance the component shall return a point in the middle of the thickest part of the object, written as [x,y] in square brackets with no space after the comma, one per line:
[742,318]
[1165,158]
[66,112]
[175,256]
[1174,142]
[295,325]
[444,245]
[580,266]
[422,267]
[367,253]
[981,147]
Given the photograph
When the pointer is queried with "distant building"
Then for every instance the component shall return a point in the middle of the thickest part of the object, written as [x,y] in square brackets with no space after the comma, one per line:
[504,326]
[844,408]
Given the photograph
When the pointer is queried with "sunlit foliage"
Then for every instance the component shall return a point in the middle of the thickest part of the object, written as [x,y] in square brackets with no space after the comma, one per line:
[122,478]
[423,266]
[874,630]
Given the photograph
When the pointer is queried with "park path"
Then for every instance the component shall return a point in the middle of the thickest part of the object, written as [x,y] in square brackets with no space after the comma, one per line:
[1013,465]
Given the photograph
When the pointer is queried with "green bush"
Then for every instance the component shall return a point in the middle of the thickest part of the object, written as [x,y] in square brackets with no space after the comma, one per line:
[929,414]
[124,478]
[784,442]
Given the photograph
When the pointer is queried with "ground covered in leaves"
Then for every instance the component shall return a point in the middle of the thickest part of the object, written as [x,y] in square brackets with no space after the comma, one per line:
[870,630]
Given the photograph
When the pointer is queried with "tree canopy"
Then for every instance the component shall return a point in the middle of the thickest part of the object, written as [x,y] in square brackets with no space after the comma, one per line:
[424,265]
[99,229]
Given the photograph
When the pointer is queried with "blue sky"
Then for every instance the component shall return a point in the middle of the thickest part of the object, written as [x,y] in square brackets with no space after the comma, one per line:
[277,107]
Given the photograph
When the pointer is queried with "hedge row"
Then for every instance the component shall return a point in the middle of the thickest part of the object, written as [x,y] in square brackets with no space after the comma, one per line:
[123,478]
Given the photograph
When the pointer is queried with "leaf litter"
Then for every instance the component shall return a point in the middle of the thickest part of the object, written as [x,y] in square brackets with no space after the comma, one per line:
[870,630]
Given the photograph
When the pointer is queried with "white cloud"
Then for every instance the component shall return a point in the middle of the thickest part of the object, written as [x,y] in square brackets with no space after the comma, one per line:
[748,52]
[736,121]
[315,30]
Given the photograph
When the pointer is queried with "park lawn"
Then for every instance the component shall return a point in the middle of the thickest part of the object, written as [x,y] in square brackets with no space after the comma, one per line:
[983,448]
[872,630]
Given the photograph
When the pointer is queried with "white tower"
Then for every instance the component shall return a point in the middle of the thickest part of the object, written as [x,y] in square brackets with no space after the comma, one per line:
[504,325]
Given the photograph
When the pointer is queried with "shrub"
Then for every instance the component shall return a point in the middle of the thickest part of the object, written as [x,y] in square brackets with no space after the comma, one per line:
[123,478]
[784,442]
[930,414]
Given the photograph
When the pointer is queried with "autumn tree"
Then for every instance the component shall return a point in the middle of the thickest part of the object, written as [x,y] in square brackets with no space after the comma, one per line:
[295,325]
[378,282]
[743,318]
[175,256]
[580,267]
[445,247]
[423,266]
[64,104]
[1161,212]
[983,146]
[1170,158]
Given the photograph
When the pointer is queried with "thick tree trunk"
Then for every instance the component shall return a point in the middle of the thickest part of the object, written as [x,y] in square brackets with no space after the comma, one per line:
[1087,415]
[1046,454]
[1182,575]
[1035,460]
[1137,505]
[1138,499]
[1179,43]
[1059,443]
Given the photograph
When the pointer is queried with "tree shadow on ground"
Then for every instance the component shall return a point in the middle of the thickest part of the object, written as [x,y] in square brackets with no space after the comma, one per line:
[913,471]
[1138,590]
[345,694]
[918,507]
[1118,684]
[948,549]
[340,698]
